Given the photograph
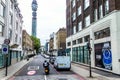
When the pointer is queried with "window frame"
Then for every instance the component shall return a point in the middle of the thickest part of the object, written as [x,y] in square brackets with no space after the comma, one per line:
[100,11]
[79,10]
[107,6]
[73,3]
[74,29]
[86,4]
[95,15]
[74,16]
[2,10]
[87,21]
[11,19]
[80,26]
[1,30]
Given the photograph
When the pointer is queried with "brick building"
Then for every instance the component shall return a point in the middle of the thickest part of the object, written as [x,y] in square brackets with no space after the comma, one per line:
[61,38]
[97,21]
[27,44]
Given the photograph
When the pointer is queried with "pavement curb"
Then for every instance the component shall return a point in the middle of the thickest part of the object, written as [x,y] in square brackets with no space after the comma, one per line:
[13,69]
[85,73]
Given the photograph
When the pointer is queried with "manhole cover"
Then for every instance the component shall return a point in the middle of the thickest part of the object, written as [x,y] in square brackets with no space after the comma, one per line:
[33,67]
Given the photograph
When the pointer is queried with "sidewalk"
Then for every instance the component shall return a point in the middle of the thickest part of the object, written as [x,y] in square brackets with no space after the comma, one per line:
[13,69]
[85,73]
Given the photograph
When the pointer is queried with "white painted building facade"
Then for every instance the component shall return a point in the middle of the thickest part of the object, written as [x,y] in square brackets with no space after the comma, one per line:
[11,28]
[109,21]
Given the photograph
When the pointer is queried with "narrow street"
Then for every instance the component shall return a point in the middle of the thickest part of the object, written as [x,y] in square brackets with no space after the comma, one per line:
[34,71]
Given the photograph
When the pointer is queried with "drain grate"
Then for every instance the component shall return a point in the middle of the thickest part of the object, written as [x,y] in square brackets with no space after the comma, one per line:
[33,67]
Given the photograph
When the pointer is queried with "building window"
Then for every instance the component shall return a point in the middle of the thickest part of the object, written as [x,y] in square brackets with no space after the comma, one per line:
[10,34]
[2,10]
[74,29]
[1,30]
[86,3]
[69,44]
[95,15]
[102,33]
[79,10]
[87,21]
[86,38]
[80,26]
[16,25]
[100,11]
[106,6]
[11,19]
[16,36]
[74,42]
[74,16]
[11,4]
[73,3]
[80,40]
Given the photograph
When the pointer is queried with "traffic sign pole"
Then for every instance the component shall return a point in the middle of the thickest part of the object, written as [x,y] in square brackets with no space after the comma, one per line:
[6,64]
[5,49]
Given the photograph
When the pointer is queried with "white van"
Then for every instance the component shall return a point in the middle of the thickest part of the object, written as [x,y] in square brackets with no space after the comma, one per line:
[62,62]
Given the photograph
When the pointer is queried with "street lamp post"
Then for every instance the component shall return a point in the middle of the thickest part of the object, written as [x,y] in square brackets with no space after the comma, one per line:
[89,50]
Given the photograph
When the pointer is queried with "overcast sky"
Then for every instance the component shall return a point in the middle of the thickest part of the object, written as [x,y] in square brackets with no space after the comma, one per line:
[51,15]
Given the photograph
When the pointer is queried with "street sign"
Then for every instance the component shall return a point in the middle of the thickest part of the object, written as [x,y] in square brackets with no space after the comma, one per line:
[4,49]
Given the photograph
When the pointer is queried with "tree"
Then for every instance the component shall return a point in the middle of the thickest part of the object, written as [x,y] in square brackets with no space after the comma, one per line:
[36,43]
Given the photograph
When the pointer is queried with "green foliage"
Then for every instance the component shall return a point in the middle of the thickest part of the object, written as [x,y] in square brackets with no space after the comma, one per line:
[36,43]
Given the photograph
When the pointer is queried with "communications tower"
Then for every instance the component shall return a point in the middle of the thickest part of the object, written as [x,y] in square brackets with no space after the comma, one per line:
[34,18]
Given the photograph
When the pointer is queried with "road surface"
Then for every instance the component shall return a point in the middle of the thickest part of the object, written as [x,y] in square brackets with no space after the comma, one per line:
[34,71]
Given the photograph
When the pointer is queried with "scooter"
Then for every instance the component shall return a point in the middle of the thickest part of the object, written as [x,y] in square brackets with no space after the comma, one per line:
[46,70]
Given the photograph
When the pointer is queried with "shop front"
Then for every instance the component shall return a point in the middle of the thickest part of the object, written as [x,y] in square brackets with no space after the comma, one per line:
[103,55]
[80,54]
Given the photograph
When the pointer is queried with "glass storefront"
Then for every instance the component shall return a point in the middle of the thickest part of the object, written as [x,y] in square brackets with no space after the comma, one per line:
[86,55]
[80,54]
[103,55]
[73,54]
[76,54]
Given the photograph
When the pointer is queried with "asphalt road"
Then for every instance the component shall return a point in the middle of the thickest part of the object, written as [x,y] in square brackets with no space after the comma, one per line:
[34,71]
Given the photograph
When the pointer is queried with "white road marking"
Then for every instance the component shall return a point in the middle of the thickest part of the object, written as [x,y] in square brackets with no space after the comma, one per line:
[45,77]
[33,68]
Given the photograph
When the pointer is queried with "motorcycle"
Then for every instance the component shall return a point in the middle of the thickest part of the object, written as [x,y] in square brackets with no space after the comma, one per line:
[46,70]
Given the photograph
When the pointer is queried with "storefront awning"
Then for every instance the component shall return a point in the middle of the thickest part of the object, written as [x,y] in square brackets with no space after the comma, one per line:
[14,46]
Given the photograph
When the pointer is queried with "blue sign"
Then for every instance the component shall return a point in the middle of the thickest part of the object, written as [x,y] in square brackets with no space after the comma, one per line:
[4,49]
